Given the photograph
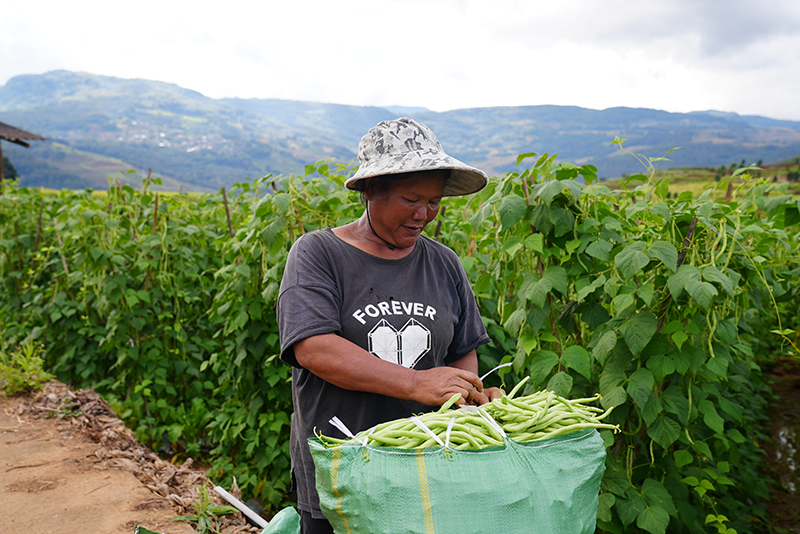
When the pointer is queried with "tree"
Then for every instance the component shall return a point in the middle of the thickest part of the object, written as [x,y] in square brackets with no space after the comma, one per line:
[9,171]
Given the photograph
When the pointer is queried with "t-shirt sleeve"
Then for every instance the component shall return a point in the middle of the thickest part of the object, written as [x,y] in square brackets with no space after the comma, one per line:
[308,302]
[469,332]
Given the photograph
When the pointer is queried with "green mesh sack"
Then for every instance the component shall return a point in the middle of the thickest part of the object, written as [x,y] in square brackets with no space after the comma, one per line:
[549,486]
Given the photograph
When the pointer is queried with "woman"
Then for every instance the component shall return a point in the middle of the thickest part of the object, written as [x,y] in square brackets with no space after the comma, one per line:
[378,321]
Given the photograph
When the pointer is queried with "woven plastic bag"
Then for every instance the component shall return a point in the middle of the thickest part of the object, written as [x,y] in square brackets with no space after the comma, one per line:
[549,486]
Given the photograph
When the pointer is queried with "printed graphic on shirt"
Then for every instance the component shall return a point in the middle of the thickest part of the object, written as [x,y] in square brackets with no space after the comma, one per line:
[394,307]
[405,347]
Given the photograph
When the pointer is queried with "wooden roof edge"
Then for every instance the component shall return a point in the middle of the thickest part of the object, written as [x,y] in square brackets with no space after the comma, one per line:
[16,135]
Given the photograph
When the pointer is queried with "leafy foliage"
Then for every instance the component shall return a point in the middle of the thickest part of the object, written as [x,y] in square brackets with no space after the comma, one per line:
[206,512]
[663,306]
[9,172]
[21,368]
[654,304]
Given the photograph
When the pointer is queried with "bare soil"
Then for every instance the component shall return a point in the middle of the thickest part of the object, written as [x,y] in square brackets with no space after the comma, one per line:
[69,465]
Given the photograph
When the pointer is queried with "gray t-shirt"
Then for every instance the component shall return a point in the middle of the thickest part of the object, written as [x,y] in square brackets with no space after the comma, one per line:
[418,311]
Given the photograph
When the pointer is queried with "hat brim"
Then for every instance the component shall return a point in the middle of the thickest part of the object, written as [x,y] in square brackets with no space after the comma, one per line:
[463,180]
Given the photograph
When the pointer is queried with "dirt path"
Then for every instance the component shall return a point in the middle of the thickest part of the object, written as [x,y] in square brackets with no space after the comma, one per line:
[87,473]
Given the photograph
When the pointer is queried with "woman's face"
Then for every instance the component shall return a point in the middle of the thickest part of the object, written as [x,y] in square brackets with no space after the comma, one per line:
[401,212]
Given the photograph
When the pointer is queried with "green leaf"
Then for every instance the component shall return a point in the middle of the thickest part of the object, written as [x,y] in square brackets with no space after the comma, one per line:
[576,357]
[702,292]
[528,342]
[655,495]
[772,203]
[606,501]
[514,321]
[599,249]
[243,270]
[512,210]
[736,436]
[550,190]
[272,230]
[281,201]
[480,215]
[594,315]
[639,207]
[519,361]
[623,302]
[666,252]
[638,331]
[653,520]
[664,431]
[612,223]
[675,402]
[678,281]
[524,156]
[712,274]
[573,245]
[604,346]
[591,288]
[611,286]
[536,318]
[629,509]
[711,417]
[726,331]
[542,362]
[645,292]
[540,218]
[563,220]
[662,365]
[537,292]
[679,338]
[611,390]
[631,259]
[512,246]
[703,448]
[560,383]
[557,276]
[736,411]
[535,242]
[640,387]
[662,210]
[683,458]
[652,410]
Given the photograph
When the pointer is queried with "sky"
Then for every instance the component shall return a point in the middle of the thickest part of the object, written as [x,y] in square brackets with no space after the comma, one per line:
[677,55]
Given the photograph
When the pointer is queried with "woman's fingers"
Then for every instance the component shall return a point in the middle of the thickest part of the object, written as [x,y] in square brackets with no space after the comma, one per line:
[436,386]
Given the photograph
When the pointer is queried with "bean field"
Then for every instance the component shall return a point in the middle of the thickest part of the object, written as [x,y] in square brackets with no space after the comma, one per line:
[667,308]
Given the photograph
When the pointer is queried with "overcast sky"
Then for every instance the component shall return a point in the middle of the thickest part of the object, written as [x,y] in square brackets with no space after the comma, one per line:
[675,55]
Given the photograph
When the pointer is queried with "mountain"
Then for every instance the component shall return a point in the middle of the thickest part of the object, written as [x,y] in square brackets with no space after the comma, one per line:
[100,127]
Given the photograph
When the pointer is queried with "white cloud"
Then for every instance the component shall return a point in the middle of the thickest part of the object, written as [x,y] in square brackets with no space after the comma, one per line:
[682,55]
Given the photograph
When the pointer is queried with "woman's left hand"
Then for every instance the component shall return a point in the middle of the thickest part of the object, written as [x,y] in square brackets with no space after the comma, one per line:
[487,395]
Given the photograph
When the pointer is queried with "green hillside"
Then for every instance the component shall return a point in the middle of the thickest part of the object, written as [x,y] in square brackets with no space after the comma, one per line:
[205,143]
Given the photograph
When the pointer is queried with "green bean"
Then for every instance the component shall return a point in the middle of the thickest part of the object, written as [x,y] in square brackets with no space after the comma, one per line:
[540,415]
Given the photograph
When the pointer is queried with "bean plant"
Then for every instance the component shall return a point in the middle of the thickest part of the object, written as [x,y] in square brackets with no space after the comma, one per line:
[665,307]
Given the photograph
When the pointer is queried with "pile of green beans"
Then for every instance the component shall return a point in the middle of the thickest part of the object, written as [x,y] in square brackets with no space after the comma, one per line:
[524,419]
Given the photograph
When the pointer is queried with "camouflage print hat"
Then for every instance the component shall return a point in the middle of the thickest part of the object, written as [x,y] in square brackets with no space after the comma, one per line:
[405,145]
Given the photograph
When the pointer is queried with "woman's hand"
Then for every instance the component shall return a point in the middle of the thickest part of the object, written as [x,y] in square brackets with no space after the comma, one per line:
[488,395]
[436,386]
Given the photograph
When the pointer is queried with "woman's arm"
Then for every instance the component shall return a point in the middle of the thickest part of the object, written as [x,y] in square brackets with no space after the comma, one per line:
[345,364]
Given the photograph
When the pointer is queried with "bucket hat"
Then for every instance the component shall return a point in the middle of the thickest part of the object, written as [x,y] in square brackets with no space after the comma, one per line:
[405,145]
